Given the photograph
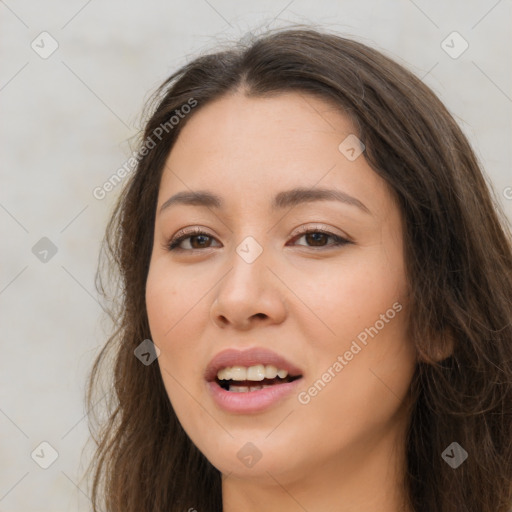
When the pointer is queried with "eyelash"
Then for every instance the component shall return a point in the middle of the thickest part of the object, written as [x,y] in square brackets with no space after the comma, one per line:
[185,234]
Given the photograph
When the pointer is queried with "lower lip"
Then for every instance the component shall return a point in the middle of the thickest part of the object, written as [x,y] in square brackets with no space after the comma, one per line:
[251,401]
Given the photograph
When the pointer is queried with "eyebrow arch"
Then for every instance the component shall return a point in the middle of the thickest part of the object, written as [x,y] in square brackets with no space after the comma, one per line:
[284,199]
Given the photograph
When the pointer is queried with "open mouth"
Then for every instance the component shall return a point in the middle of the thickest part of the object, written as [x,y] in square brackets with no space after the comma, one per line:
[240,379]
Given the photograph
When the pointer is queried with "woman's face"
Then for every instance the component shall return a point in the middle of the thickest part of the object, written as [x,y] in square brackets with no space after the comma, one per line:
[253,291]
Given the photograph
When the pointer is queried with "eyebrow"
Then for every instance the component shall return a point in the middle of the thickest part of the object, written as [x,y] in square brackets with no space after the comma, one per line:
[284,199]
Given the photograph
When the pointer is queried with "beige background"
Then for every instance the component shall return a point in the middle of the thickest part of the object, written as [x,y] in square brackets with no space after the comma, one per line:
[66,120]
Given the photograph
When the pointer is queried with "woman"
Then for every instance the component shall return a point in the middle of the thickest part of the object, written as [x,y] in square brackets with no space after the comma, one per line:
[310,248]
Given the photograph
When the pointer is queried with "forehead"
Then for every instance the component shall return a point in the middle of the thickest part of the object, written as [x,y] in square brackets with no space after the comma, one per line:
[253,147]
[298,119]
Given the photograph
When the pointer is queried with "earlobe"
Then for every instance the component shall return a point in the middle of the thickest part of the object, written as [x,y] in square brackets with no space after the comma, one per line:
[439,349]
[444,349]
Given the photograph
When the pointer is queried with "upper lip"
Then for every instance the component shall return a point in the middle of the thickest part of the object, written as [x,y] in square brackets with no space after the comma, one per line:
[249,357]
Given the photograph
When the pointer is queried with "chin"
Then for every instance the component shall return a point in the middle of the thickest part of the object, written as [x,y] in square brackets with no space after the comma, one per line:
[250,454]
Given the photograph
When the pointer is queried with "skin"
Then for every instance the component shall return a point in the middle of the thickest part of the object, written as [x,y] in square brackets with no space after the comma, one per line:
[343,450]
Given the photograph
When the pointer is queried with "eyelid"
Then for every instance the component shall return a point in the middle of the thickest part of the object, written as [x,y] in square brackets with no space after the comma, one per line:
[185,233]
[305,228]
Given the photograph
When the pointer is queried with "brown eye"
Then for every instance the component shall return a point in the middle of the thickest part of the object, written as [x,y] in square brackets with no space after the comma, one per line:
[201,241]
[315,238]
[197,240]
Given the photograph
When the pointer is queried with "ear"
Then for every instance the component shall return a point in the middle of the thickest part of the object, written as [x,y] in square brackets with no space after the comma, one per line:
[440,348]
[444,347]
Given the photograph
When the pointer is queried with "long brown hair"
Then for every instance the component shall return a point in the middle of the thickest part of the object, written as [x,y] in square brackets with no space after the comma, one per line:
[458,259]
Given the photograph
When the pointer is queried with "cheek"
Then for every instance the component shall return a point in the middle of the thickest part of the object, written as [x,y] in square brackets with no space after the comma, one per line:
[345,297]
[178,307]
[358,389]
[173,300]
[175,317]
[363,305]
[163,309]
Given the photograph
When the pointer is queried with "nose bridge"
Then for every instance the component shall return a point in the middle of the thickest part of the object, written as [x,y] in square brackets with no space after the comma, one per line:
[248,265]
[250,250]
[248,290]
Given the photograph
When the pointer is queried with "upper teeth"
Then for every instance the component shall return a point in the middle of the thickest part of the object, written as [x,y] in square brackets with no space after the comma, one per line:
[257,372]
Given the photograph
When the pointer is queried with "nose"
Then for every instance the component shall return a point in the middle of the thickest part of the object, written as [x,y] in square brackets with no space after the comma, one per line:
[249,294]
